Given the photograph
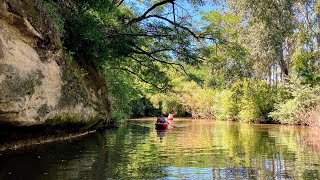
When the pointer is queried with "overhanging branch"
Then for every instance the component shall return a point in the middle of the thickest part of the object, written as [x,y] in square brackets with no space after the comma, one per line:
[142,79]
[141,63]
[144,15]
[172,64]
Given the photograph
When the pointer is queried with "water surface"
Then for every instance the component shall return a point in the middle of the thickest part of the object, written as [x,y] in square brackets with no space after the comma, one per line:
[195,149]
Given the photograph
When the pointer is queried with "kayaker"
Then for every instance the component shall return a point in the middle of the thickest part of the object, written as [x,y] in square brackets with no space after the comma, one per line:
[161,119]
[170,116]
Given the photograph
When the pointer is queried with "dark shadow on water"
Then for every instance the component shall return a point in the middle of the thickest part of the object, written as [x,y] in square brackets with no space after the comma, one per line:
[161,133]
[15,136]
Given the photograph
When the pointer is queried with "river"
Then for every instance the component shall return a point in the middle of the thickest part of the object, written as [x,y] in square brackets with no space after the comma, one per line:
[192,149]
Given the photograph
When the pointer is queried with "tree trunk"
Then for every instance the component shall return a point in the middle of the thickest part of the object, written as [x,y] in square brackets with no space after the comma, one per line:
[318,29]
[318,36]
[283,65]
[270,74]
[275,74]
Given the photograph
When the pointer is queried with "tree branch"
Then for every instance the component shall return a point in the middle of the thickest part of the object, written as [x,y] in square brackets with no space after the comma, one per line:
[173,11]
[144,15]
[146,35]
[161,61]
[154,52]
[120,3]
[175,24]
[141,63]
[142,79]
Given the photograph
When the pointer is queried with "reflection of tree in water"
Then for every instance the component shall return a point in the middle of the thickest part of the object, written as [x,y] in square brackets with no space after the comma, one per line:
[126,155]
[310,143]
[233,173]
[310,139]
[138,129]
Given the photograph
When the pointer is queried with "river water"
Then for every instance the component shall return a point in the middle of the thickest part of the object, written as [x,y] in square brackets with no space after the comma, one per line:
[189,149]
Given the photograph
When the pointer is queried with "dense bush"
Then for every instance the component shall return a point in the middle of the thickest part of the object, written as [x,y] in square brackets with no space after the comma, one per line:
[306,67]
[247,100]
[205,103]
[249,110]
[294,109]
[225,105]
[313,117]
[256,100]
[286,112]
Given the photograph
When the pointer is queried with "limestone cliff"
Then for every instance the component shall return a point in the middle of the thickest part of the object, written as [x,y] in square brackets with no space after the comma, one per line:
[36,84]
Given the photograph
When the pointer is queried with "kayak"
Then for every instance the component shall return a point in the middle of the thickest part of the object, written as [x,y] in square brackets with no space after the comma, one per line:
[161,125]
[170,117]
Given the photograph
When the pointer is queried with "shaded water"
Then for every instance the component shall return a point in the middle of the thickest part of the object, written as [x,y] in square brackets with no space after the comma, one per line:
[196,149]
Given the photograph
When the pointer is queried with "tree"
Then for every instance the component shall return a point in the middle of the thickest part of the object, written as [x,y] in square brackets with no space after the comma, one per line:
[144,44]
[131,45]
[224,54]
[277,20]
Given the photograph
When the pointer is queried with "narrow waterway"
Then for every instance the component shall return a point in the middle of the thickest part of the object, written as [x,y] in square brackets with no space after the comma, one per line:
[195,149]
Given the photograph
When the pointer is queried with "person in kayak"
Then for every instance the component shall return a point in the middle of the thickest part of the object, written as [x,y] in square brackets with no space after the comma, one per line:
[170,116]
[161,119]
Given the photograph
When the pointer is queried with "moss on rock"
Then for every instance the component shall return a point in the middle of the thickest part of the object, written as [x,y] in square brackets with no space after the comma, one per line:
[14,87]
[43,110]
[74,122]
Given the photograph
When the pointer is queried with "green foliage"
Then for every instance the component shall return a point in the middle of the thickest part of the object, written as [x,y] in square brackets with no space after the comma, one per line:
[221,26]
[69,57]
[249,111]
[205,103]
[143,107]
[91,45]
[306,67]
[269,28]
[110,38]
[285,112]
[225,106]
[79,73]
[166,103]
[256,100]
[226,58]
[53,10]
[121,93]
[294,109]
[248,101]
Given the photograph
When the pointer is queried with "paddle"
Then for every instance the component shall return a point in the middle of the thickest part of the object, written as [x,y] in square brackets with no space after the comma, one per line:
[172,125]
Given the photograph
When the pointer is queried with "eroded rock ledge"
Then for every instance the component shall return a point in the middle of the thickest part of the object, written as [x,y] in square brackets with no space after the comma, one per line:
[37,86]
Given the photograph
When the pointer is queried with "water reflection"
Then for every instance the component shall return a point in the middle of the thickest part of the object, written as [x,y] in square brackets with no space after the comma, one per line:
[161,133]
[196,149]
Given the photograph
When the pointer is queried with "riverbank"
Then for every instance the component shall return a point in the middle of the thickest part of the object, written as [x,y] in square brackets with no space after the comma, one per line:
[13,137]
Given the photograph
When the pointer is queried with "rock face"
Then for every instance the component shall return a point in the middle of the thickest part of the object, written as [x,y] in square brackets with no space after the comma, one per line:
[36,83]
